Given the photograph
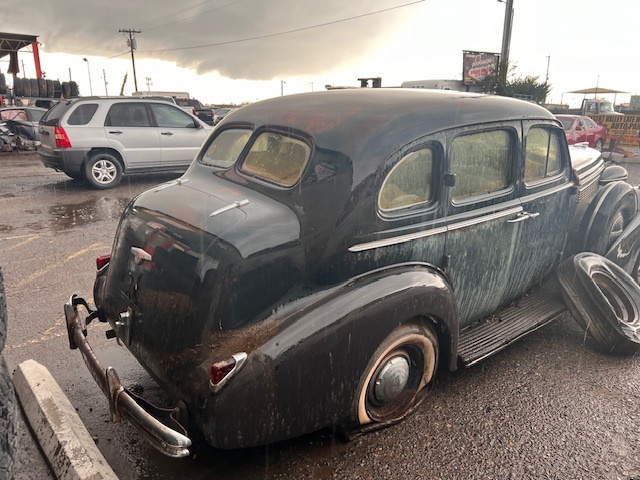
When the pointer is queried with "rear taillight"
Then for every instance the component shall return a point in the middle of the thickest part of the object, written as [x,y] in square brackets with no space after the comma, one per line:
[62,141]
[102,261]
[194,112]
[221,372]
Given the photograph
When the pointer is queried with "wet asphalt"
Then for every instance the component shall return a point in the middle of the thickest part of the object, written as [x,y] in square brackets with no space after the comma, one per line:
[548,407]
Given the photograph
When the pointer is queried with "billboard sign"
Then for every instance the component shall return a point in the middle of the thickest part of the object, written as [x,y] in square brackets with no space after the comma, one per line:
[476,66]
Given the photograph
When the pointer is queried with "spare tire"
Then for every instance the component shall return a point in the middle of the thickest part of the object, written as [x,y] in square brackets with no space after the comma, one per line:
[18,89]
[8,410]
[66,90]
[74,89]
[49,88]
[26,87]
[604,300]
[42,87]
[35,89]
[607,216]
[57,89]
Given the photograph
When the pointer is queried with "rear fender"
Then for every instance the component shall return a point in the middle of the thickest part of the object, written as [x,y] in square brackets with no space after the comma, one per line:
[305,377]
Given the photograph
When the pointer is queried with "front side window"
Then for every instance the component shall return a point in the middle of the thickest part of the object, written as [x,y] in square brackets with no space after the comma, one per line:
[409,182]
[168,116]
[128,114]
[543,156]
[225,148]
[481,163]
[277,158]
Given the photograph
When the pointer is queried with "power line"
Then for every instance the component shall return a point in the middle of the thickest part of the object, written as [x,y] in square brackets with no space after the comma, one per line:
[283,33]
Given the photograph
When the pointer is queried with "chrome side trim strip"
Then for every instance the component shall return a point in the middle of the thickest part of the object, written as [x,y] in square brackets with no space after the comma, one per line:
[385,242]
[485,218]
[237,204]
[396,240]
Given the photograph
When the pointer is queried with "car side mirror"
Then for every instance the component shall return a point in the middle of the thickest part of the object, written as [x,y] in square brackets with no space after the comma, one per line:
[196,124]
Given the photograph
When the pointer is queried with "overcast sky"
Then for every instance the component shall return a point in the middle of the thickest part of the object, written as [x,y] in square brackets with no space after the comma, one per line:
[230,51]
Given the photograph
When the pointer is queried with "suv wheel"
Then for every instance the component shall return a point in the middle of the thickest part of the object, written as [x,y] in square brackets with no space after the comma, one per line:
[103,170]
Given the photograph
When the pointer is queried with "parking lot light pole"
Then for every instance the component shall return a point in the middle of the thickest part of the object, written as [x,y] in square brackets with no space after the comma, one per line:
[89,72]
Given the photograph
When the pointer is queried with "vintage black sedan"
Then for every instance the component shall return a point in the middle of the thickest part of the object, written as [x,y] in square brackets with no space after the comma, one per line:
[326,253]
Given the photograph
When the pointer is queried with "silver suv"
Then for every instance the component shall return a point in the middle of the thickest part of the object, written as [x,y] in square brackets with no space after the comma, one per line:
[101,138]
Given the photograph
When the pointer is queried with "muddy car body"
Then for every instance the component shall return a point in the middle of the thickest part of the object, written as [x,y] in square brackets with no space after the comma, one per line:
[325,252]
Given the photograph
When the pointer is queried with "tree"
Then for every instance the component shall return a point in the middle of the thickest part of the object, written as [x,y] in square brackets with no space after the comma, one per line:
[529,87]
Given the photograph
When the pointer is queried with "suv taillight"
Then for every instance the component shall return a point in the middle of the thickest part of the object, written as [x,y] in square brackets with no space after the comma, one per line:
[62,141]
[193,110]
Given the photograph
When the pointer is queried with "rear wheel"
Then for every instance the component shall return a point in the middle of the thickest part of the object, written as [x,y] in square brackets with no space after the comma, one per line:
[103,170]
[599,144]
[398,376]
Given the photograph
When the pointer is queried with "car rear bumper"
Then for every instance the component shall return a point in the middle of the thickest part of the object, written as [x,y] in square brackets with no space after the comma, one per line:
[68,160]
[150,421]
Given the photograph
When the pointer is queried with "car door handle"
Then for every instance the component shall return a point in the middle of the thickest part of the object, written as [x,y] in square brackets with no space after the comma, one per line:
[42,131]
[521,217]
[166,133]
[117,132]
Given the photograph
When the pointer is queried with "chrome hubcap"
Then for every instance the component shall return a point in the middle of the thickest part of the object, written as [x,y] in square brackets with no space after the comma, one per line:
[392,378]
[104,171]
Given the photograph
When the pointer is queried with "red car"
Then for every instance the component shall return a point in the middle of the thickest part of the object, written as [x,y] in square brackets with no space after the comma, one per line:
[579,128]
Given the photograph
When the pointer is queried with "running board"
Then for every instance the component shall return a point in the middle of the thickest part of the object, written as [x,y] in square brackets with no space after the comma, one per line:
[499,330]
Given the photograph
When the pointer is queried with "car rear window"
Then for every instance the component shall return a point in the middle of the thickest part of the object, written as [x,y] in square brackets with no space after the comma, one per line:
[277,158]
[225,148]
[55,113]
[82,114]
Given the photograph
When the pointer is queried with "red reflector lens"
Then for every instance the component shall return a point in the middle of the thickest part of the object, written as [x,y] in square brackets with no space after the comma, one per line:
[220,370]
[62,140]
[102,261]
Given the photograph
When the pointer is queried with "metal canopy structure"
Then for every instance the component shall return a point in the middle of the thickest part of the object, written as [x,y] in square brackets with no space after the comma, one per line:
[594,90]
[10,43]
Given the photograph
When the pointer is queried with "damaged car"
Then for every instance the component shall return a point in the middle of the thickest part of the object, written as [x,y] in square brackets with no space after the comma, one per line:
[327,254]
[23,121]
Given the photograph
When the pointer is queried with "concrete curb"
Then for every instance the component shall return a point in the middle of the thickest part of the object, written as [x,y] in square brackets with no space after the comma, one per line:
[71,451]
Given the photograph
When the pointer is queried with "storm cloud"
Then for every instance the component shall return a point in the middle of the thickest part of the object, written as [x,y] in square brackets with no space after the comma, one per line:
[240,39]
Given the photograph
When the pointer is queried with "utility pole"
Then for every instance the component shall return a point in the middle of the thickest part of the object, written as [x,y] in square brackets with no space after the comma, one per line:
[131,43]
[506,39]
[104,77]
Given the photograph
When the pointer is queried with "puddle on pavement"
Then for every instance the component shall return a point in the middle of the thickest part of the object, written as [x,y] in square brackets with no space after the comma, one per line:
[93,210]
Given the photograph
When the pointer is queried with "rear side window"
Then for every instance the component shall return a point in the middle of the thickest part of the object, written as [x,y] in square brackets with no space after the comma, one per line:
[277,158]
[481,163]
[83,114]
[225,148]
[128,114]
[409,182]
[55,113]
[543,156]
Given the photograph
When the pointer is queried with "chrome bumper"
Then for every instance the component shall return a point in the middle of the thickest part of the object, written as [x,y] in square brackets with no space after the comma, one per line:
[159,426]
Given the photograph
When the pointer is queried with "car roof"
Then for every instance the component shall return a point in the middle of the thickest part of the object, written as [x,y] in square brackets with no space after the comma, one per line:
[371,123]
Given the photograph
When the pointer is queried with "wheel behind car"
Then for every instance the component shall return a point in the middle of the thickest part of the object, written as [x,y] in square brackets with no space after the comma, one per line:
[604,300]
[103,170]
[8,411]
[398,376]
[609,214]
